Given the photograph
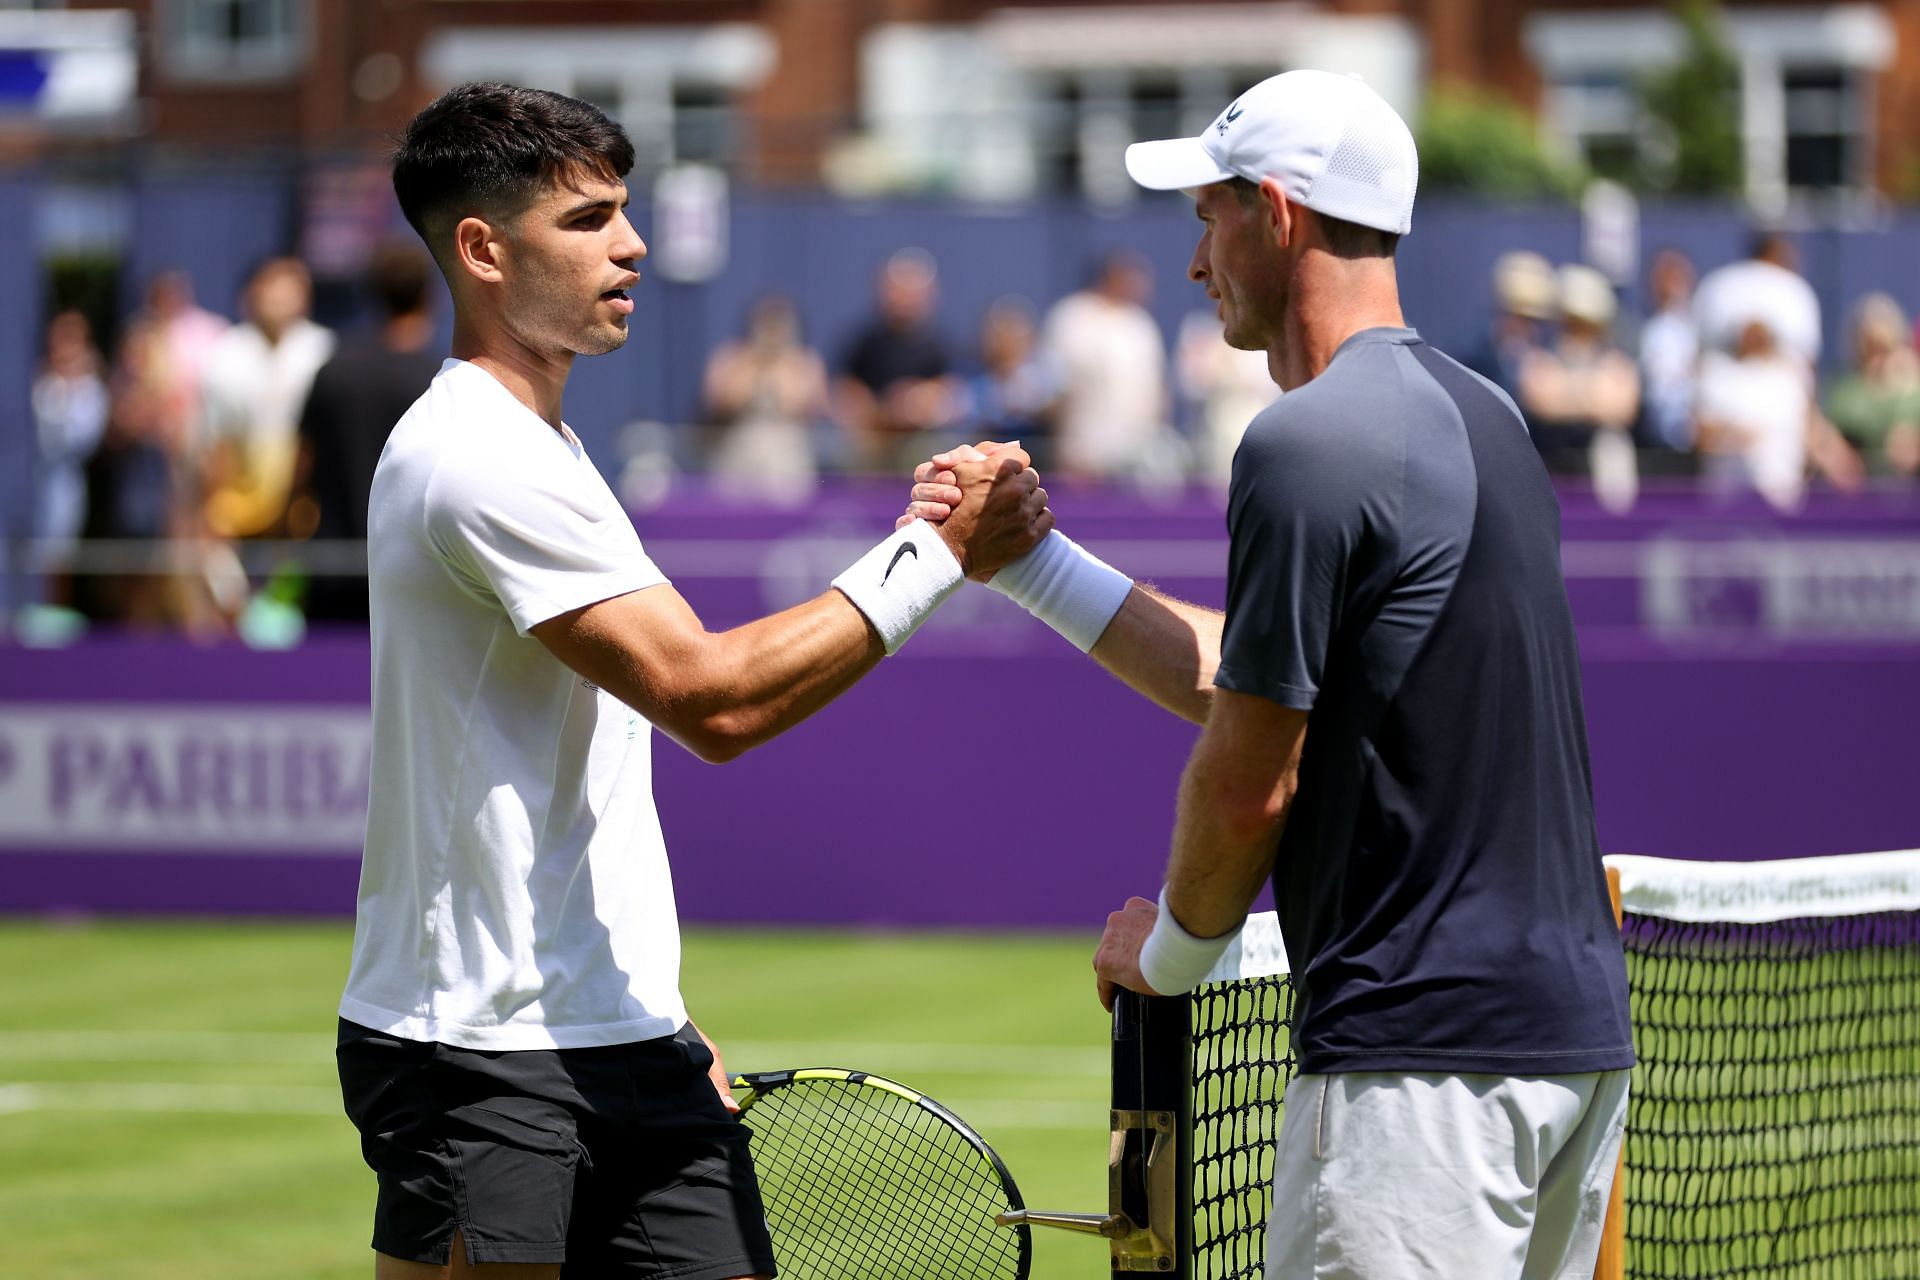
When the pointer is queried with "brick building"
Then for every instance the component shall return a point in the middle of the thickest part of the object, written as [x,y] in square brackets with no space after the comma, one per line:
[990,99]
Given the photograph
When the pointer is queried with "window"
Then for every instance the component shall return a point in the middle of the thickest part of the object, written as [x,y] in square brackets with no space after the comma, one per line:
[232,39]
[1082,121]
[1806,74]
[1826,128]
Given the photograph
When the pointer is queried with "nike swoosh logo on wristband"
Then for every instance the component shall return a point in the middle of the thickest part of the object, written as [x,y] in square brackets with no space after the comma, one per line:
[906,549]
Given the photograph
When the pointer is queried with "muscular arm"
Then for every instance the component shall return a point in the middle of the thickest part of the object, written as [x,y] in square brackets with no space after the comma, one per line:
[1234,797]
[1236,792]
[1165,649]
[717,694]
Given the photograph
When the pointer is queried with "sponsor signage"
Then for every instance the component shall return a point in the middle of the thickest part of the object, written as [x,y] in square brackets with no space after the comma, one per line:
[137,777]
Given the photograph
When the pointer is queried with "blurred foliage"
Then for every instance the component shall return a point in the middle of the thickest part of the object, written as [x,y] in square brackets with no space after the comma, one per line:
[1485,144]
[1692,144]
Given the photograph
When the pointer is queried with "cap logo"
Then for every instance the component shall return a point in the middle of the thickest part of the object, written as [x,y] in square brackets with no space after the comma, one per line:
[1234,112]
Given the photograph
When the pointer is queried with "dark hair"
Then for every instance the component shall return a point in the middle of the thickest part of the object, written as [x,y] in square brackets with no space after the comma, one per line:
[397,277]
[1346,239]
[492,148]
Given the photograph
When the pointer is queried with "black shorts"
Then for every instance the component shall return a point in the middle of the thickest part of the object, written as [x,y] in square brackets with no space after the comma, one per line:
[617,1161]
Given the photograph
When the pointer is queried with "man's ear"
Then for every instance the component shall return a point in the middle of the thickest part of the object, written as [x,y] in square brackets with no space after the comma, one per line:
[1281,218]
[477,249]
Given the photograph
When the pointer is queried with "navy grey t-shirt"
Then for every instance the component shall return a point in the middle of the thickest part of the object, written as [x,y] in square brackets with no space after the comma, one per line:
[1395,572]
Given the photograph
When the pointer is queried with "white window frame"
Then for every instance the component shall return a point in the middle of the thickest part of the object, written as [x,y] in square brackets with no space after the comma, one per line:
[1855,38]
[644,62]
[184,56]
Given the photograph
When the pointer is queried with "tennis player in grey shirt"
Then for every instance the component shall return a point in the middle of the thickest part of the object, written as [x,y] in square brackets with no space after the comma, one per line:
[1393,733]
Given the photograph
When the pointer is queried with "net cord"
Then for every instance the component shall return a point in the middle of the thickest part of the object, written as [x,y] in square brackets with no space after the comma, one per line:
[1848,884]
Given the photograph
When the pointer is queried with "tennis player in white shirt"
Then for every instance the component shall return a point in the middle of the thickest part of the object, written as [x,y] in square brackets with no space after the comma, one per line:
[513,1045]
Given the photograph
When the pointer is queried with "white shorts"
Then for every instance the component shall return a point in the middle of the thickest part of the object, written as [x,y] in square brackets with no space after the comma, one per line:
[1397,1175]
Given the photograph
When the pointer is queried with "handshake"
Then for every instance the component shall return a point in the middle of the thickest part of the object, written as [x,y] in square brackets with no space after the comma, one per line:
[986,502]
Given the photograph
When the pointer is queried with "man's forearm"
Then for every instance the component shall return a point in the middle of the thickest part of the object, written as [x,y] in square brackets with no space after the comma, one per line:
[1165,649]
[1234,798]
[766,676]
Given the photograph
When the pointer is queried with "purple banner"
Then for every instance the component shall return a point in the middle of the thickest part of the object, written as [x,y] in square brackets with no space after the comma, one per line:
[1758,702]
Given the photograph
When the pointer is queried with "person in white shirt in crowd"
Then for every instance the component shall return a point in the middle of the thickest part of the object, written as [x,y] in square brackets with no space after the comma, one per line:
[764,393]
[513,1046]
[1670,355]
[1766,286]
[1759,425]
[1111,356]
[254,386]
[1222,389]
[70,406]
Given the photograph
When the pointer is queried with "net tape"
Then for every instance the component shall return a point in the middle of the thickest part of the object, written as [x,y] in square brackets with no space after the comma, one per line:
[1775,1113]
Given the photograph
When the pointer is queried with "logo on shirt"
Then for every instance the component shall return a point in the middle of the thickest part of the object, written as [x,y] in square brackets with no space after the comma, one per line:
[1234,112]
[906,549]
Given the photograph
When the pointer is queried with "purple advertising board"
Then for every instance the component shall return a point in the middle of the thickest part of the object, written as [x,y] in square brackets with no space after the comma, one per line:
[1752,686]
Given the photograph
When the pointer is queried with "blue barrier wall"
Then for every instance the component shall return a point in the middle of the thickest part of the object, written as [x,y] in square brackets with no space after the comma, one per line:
[20,285]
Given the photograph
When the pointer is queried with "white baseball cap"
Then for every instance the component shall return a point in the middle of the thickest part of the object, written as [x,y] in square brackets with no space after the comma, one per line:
[1333,144]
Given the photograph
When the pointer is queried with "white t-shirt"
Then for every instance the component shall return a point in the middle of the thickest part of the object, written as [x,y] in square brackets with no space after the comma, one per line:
[1112,362]
[1734,296]
[515,891]
[1769,400]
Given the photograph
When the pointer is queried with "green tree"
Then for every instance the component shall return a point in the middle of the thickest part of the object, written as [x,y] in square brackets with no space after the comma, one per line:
[1694,108]
[1485,144]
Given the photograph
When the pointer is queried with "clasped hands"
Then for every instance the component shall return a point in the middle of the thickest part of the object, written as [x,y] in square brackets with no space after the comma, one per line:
[986,501]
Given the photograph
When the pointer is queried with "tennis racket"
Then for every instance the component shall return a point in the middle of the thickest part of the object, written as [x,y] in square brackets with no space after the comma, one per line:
[865,1179]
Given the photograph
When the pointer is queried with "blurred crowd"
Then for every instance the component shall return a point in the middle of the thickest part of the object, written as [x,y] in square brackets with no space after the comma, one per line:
[1087,384]
[199,433]
[1720,380]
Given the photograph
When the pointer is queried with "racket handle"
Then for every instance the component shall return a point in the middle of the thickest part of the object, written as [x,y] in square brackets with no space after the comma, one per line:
[1110,1225]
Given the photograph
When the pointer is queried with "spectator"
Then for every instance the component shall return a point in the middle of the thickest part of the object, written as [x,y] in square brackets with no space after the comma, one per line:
[1114,408]
[1582,394]
[173,338]
[1758,425]
[1766,287]
[1017,392]
[1224,389]
[256,383]
[1669,357]
[132,486]
[356,398]
[1876,405]
[70,416]
[896,379]
[763,394]
[1523,299]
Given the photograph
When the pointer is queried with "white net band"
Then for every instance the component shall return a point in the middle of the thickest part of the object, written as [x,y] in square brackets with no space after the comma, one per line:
[1257,953]
[1850,884]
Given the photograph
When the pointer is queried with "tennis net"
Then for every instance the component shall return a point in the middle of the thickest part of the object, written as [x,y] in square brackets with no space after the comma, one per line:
[1774,1125]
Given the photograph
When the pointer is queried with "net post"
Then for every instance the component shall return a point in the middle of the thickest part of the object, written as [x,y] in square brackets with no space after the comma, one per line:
[1612,1262]
[1151,1165]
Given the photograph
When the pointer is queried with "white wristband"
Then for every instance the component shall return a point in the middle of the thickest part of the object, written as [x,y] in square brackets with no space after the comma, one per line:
[1173,961]
[1067,587]
[902,581]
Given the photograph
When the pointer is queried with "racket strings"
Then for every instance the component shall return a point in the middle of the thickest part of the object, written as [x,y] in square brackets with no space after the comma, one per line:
[863,1184]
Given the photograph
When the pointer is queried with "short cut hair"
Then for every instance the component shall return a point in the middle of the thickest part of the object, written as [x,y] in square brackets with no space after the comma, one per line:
[1346,239]
[491,149]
